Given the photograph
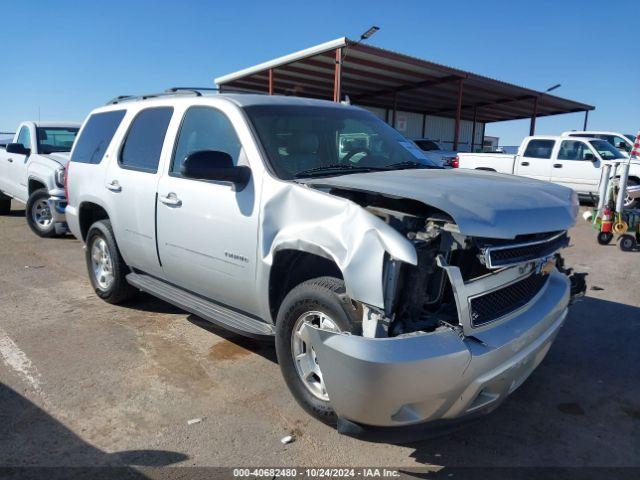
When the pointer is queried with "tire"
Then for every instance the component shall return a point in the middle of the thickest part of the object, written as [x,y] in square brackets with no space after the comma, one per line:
[604,238]
[627,243]
[630,203]
[105,265]
[39,216]
[5,204]
[325,296]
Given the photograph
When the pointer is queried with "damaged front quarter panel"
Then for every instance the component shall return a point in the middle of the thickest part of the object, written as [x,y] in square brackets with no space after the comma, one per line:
[300,218]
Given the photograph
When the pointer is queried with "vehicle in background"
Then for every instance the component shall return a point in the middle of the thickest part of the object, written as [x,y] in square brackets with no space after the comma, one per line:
[622,141]
[433,151]
[318,225]
[5,138]
[32,171]
[570,161]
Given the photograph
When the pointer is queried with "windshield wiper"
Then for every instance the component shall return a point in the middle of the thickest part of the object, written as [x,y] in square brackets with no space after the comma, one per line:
[337,167]
[408,164]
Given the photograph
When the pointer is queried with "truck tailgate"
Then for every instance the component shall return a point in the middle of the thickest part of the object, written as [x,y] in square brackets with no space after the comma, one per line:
[499,162]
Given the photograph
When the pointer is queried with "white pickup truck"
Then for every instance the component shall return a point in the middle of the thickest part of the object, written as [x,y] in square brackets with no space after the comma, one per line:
[570,161]
[622,141]
[32,169]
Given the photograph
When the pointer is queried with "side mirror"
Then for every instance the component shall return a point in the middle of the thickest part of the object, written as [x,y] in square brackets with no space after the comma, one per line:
[623,146]
[215,165]
[589,156]
[18,149]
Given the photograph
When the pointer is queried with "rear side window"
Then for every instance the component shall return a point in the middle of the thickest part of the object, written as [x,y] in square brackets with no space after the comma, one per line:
[143,145]
[539,149]
[96,136]
[205,128]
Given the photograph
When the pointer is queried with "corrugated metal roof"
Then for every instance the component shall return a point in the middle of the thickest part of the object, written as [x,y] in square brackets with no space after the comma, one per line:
[374,76]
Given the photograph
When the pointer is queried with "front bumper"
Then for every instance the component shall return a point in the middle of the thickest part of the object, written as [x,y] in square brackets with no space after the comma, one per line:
[427,377]
[57,204]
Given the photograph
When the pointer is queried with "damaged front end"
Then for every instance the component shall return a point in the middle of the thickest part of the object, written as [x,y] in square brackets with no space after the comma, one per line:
[459,331]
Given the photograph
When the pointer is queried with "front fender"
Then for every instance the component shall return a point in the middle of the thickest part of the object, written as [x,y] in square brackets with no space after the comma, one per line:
[43,170]
[299,218]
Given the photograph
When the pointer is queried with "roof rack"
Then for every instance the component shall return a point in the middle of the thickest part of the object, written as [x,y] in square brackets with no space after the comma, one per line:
[197,91]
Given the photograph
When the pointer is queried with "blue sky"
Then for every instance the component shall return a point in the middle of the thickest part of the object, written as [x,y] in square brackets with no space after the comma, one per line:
[66,58]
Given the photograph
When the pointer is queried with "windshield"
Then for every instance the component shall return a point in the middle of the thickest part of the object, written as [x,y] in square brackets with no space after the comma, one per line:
[606,150]
[305,141]
[427,145]
[55,139]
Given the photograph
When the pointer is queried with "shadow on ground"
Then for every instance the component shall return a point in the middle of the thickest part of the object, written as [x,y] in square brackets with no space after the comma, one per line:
[584,397]
[30,437]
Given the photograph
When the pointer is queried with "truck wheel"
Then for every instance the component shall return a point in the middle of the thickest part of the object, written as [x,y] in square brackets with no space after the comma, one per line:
[628,201]
[107,269]
[5,204]
[39,215]
[320,302]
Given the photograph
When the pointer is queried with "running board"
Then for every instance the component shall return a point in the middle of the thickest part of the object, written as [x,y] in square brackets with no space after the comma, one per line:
[210,311]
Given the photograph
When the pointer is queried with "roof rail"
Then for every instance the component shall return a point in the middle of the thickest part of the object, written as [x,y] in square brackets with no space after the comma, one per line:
[197,91]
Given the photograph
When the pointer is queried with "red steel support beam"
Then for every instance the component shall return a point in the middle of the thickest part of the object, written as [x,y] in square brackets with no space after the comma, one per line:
[532,127]
[271,81]
[473,130]
[337,76]
[456,133]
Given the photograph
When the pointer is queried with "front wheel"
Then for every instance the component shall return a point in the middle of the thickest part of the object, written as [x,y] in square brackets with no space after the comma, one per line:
[106,267]
[321,303]
[604,238]
[39,216]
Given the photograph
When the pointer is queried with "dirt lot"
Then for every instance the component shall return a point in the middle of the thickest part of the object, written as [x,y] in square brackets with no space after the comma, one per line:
[86,383]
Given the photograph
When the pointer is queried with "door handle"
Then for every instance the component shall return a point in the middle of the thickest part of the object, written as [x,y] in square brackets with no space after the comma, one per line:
[524,164]
[114,186]
[557,165]
[171,199]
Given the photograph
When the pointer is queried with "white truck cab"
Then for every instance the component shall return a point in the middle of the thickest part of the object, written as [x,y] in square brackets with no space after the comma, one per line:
[32,169]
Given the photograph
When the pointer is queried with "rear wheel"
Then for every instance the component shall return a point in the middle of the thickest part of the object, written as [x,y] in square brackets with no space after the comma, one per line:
[39,216]
[321,303]
[5,204]
[106,267]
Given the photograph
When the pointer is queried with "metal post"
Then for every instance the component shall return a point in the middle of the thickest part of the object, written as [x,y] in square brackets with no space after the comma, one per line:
[473,130]
[271,81]
[395,109]
[456,134]
[337,76]
[532,127]
[424,125]
[586,119]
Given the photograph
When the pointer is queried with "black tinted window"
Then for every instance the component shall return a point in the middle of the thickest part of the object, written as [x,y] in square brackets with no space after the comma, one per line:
[539,149]
[96,136]
[143,144]
[205,128]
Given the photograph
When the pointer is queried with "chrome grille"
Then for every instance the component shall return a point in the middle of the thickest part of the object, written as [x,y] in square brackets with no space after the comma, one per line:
[503,255]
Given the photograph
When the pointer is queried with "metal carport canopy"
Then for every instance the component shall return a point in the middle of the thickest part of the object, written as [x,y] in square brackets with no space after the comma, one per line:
[373,76]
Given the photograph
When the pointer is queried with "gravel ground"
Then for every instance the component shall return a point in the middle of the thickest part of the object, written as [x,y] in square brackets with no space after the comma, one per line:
[85,383]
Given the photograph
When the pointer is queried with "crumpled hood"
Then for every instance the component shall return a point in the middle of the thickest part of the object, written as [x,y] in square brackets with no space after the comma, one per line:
[483,204]
[60,157]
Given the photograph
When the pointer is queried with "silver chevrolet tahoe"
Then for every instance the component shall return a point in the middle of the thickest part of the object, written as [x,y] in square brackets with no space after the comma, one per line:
[400,295]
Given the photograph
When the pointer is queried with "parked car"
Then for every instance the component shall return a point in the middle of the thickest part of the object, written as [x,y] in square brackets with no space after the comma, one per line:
[433,151]
[572,162]
[622,141]
[32,168]
[397,292]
